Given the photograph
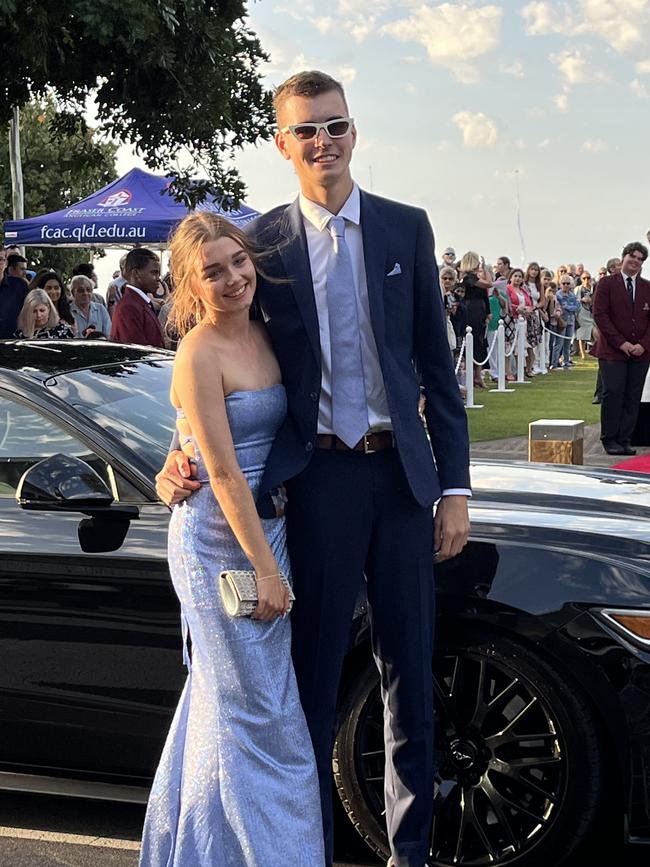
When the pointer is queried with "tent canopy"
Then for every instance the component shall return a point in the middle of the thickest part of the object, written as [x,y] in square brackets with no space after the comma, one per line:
[136,209]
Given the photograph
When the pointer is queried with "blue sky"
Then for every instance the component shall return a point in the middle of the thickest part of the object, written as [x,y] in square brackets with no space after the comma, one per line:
[452,99]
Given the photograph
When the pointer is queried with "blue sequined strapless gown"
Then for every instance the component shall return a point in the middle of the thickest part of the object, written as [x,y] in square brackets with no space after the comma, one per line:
[236,785]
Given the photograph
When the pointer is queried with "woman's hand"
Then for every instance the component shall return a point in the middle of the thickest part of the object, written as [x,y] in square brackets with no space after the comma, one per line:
[272,598]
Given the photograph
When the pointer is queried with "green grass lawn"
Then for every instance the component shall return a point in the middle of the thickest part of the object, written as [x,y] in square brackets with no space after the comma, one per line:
[560,394]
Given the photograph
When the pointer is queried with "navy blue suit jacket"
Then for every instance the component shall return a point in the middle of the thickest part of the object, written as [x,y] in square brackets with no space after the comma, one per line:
[409,326]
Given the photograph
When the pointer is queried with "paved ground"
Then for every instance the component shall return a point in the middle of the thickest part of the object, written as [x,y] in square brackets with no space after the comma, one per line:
[516,449]
[39,831]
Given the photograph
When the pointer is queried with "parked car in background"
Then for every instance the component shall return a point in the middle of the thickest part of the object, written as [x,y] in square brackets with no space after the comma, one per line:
[542,675]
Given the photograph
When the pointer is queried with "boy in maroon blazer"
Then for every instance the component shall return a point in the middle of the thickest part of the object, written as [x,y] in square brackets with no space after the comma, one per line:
[134,319]
[621,311]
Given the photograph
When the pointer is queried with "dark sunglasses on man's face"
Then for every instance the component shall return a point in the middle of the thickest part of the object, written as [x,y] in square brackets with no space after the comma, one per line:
[339,127]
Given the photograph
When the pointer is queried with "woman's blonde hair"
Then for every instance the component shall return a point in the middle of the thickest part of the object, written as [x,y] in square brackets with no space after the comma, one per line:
[187,308]
[469,262]
[26,317]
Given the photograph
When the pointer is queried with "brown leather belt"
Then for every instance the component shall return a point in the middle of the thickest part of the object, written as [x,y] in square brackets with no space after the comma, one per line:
[371,442]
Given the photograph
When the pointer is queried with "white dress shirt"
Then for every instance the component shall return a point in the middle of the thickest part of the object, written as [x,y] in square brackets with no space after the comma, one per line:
[142,294]
[319,246]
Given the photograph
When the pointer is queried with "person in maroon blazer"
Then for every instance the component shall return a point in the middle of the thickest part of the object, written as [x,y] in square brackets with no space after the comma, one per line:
[134,319]
[621,311]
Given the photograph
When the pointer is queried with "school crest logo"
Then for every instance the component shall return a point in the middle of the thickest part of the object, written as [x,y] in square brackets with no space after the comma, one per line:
[116,200]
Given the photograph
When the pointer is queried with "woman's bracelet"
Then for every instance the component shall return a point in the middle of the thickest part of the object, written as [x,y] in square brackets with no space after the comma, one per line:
[266,577]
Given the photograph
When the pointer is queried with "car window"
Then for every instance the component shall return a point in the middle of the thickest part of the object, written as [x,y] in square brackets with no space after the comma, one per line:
[27,437]
[130,401]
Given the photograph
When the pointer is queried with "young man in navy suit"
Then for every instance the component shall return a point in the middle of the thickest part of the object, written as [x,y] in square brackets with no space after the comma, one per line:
[355,313]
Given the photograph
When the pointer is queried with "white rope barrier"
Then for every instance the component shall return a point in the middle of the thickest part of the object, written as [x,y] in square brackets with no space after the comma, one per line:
[460,356]
[487,357]
[556,335]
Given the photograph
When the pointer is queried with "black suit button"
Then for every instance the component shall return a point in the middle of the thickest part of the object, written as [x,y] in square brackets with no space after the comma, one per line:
[309,447]
[313,395]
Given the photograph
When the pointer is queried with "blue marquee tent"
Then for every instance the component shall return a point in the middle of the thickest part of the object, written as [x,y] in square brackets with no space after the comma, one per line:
[136,209]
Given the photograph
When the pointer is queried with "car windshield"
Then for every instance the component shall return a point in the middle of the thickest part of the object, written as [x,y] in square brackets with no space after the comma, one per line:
[129,400]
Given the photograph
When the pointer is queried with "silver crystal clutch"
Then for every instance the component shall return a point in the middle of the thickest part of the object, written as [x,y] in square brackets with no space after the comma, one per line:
[238,590]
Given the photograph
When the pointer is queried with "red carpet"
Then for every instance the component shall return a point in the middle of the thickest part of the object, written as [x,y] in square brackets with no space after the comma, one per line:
[639,464]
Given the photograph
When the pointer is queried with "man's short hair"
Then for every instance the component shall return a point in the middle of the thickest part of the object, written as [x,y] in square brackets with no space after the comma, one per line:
[611,263]
[505,260]
[138,258]
[635,247]
[84,268]
[14,259]
[310,83]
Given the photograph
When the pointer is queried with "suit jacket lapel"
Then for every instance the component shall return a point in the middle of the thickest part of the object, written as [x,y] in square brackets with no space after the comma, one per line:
[295,259]
[375,245]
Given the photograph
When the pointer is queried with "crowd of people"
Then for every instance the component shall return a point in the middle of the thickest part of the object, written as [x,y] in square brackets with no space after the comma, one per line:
[42,304]
[557,300]
[565,312]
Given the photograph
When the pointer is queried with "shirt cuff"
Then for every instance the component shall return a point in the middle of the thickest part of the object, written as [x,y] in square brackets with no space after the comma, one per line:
[457,492]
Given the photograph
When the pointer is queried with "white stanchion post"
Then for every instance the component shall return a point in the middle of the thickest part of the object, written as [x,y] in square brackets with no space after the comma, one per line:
[544,360]
[501,361]
[521,351]
[469,370]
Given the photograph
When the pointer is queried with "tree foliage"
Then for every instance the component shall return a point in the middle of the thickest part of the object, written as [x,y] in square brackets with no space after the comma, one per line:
[168,75]
[61,165]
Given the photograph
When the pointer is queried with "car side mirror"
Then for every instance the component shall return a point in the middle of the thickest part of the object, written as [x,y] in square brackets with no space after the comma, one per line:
[62,483]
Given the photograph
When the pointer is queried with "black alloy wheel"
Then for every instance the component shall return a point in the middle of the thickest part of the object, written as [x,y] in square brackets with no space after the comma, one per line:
[517,754]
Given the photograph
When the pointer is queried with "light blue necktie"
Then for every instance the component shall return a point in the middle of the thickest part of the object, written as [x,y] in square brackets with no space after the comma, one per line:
[349,404]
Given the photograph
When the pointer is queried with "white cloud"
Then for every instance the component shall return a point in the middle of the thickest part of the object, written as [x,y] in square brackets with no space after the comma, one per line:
[623,24]
[516,69]
[544,18]
[325,24]
[362,27]
[643,67]
[452,34]
[410,88]
[639,89]
[535,111]
[575,67]
[594,146]
[346,74]
[544,143]
[479,131]
[561,102]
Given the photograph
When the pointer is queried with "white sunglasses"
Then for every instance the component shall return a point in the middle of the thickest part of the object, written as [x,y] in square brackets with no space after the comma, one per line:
[337,128]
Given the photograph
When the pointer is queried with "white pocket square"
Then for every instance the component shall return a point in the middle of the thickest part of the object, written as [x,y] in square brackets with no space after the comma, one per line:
[397,269]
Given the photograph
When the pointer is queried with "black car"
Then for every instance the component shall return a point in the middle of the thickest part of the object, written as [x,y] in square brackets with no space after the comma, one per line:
[542,675]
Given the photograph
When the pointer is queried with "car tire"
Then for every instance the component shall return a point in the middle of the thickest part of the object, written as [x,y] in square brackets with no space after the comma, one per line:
[520,770]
